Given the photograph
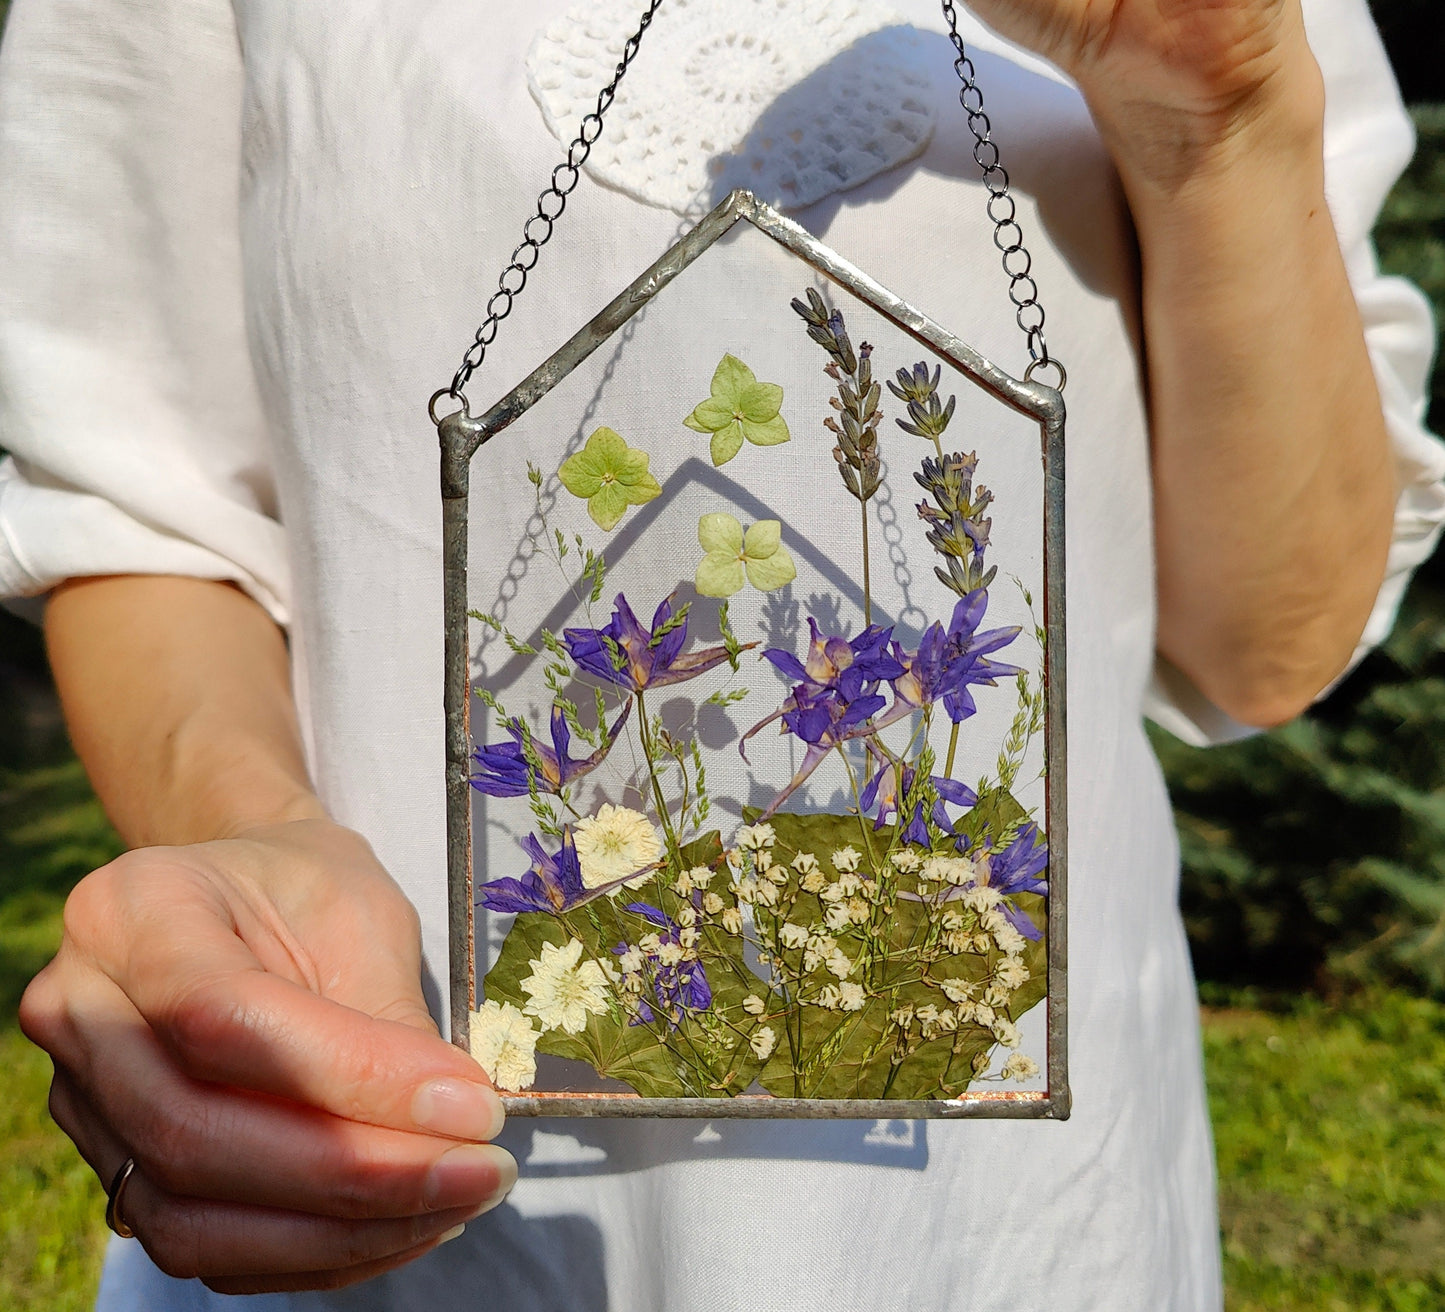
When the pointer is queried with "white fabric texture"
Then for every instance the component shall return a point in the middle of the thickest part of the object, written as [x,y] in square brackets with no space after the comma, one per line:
[792,99]
[229,281]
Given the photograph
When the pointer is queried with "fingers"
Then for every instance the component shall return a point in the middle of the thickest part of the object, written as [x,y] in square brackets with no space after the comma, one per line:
[204,1140]
[223,1018]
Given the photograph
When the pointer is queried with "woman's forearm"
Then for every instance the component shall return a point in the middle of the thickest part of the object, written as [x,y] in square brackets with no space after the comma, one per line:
[178,696]
[1273,482]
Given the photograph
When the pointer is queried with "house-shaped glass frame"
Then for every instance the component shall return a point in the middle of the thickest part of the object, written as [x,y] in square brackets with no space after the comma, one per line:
[462,436]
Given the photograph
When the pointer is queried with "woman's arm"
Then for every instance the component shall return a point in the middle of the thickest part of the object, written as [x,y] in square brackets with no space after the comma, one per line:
[1274,488]
[242,1012]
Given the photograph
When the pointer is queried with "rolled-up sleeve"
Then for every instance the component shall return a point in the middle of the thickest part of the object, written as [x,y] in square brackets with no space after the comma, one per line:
[1368,142]
[137,438]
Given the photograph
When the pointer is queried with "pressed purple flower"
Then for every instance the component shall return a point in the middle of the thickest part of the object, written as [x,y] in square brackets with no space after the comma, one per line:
[634,658]
[843,664]
[679,987]
[553,884]
[883,789]
[1016,870]
[503,771]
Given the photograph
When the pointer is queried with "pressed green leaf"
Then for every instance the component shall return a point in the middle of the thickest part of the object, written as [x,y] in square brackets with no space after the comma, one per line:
[772,433]
[726,444]
[760,402]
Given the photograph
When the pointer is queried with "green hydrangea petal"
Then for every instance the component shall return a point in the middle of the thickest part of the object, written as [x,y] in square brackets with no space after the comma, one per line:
[581,475]
[694,423]
[761,402]
[763,539]
[607,444]
[772,433]
[772,571]
[720,531]
[608,506]
[719,575]
[712,415]
[642,490]
[726,443]
[730,380]
[630,465]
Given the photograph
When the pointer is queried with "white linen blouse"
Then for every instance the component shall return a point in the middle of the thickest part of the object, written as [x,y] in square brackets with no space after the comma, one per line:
[241,244]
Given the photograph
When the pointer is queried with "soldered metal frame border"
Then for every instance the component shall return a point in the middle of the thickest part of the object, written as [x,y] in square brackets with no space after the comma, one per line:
[463,435]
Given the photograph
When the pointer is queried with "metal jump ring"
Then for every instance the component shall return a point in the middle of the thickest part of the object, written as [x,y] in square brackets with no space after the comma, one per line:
[113,1197]
[431,406]
[1050,362]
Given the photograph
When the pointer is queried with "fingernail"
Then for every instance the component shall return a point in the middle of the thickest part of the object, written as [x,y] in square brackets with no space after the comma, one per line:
[454,1233]
[473,1175]
[458,1108]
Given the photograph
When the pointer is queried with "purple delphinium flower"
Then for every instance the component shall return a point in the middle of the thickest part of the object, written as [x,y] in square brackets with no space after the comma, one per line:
[843,665]
[554,883]
[1016,870]
[883,789]
[634,658]
[678,987]
[503,770]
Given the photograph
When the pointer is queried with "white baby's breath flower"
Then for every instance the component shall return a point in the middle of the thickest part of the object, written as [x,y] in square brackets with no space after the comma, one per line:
[946,870]
[982,942]
[851,996]
[687,939]
[762,1041]
[776,874]
[805,862]
[815,881]
[1009,940]
[982,898]
[957,990]
[812,959]
[836,917]
[649,943]
[504,1043]
[967,1012]
[1006,1032]
[838,964]
[631,960]
[992,920]
[1019,1067]
[615,843]
[997,994]
[907,860]
[1012,973]
[700,876]
[746,889]
[767,894]
[754,838]
[732,920]
[927,1015]
[983,1014]
[682,885]
[754,1005]
[830,996]
[831,893]
[858,910]
[734,859]
[669,953]
[955,940]
[846,859]
[871,889]
[849,883]
[685,916]
[952,920]
[563,988]
[793,936]
[712,903]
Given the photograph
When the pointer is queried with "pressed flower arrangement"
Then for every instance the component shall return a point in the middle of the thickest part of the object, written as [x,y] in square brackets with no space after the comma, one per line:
[755,856]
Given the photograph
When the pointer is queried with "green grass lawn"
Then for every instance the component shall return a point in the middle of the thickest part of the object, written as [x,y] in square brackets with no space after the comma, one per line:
[1328,1121]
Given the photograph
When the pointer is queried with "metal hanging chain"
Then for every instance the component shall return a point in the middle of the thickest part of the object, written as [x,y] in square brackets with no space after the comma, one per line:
[1007,235]
[550,205]
[1023,291]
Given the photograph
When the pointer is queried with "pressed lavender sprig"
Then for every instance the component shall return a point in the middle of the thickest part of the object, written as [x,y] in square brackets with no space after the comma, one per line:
[929,417]
[856,428]
[957,530]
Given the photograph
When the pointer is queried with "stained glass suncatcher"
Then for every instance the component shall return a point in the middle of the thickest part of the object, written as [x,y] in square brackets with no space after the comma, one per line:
[757,741]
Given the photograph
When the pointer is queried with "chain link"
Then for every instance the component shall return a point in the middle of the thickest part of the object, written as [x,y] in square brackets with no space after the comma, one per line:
[537,231]
[1023,291]
[550,205]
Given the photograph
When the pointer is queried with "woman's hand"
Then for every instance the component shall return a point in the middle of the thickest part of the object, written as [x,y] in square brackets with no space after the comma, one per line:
[244,1018]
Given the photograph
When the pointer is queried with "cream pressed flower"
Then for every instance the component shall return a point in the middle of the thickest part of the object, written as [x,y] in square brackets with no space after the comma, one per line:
[669,953]
[776,875]
[805,862]
[712,903]
[649,943]
[746,889]
[851,996]
[504,1043]
[767,894]
[1019,1067]
[983,1014]
[682,885]
[756,837]
[982,898]
[614,844]
[1009,940]
[754,1005]
[700,876]
[837,918]
[687,939]
[814,881]
[957,990]
[762,1041]
[846,859]
[631,960]
[838,964]
[906,861]
[1012,973]
[830,997]
[997,994]
[832,893]
[685,916]
[1006,1032]
[793,936]
[732,920]
[858,910]
[991,921]
[563,988]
